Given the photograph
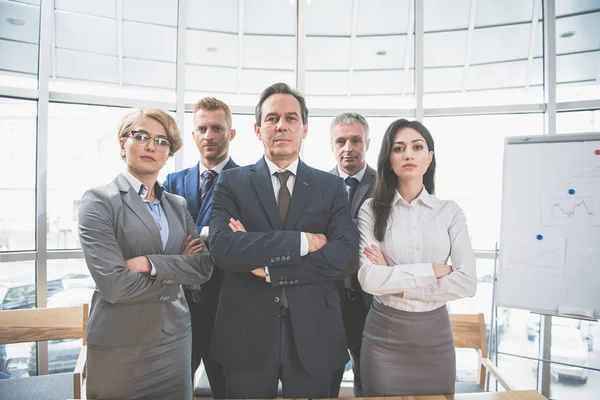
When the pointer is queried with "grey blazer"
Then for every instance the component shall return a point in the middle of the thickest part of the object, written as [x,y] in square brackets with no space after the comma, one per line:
[131,308]
[363,191]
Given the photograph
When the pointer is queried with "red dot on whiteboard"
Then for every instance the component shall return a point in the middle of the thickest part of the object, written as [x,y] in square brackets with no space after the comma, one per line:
[597,152]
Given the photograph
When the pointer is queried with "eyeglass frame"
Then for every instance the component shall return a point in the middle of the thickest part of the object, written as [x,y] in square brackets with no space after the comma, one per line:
[154,138]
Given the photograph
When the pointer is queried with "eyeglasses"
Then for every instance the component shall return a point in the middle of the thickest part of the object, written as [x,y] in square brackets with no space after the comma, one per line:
[141,138]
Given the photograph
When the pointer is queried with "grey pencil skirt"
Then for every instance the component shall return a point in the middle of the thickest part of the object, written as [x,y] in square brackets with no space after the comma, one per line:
[159,370]
[407,353]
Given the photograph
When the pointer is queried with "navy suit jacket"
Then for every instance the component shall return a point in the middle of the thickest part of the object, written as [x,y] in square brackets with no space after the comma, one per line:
[186,183]
[244,332]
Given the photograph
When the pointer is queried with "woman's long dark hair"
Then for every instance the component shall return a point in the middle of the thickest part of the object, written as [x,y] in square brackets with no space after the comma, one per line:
[387,181]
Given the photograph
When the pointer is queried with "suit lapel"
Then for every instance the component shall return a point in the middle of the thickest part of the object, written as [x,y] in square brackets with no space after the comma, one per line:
[302,188]
[191,182]
[363,190]
[261,180]
[136,204]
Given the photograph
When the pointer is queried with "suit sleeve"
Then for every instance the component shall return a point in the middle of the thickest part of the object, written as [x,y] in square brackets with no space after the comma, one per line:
[105,260]
[167,184]
[240,252]
[334,261]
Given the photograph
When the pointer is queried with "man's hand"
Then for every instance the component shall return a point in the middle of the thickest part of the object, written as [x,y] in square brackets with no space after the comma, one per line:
[236,225]
[192,246]
[441,270]
[260,272]
[375,255]
[315,241]
[139,264]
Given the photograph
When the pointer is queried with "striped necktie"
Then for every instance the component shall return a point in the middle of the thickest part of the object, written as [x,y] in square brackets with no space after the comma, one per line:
[208,177]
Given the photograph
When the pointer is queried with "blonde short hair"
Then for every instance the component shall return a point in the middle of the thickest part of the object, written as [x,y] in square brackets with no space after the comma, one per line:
[214,104]
[161,116]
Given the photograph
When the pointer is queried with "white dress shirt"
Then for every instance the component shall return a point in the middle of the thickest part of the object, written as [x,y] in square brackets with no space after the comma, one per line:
[217,168]
[426,231]
[359,175]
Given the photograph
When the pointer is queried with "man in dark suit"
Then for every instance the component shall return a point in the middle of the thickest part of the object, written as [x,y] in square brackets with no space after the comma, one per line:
[349,143]
[283,234]
[212,134]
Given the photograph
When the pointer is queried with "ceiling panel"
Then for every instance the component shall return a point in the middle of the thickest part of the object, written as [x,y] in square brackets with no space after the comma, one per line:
[86,66]
[378,82]
[577,67]
[443,79]
[211,48]
[326,83]
[367,48]
[492,76]
[162,12]
[210,79]
[383,17]
[441,15]
[327,53]
[494,12]
[29,15]
[276,52]
[32,2]
[587,33]
[331,17]
[86,33]
[501,43]
[149,73]
[213,15]
[150,42]
[445,49]
[255,81]
[275,17]
[104,8]
[24,57]
[564,7]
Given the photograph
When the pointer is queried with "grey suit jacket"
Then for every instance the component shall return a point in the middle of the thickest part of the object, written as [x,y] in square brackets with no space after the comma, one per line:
[132,308]
[363,192]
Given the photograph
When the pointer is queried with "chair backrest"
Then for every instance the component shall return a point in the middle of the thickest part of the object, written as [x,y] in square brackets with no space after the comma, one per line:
[39,324]
[469,333]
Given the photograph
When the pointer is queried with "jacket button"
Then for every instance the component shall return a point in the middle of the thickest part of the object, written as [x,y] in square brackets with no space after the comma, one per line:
[278,259]
[164,298]
[276,299]
[289,258]
[285,282]
[281,282]
[272,260]
[296,281]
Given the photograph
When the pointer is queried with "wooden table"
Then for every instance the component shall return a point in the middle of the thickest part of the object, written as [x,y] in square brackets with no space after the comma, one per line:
[515,395]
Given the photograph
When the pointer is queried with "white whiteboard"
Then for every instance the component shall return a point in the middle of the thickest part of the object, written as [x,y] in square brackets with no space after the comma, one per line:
[551,188]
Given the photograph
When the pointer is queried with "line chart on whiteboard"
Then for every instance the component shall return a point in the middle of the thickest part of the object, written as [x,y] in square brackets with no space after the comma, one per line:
[567,207]
[548,253]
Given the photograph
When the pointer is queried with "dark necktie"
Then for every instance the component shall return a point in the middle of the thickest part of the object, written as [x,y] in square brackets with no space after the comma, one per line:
[283,204]
[353,185]
[209,178]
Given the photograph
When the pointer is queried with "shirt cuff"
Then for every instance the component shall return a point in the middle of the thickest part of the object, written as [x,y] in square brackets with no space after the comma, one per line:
[303,244]
[153,271]
[268,277]
[204,233]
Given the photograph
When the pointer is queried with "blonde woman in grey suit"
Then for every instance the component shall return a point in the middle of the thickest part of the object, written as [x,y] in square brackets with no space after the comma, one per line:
[140,246]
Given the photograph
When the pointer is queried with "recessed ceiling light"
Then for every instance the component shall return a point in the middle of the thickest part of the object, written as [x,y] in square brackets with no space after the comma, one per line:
[211,49]
[15,21]
[567,34]
[381,53]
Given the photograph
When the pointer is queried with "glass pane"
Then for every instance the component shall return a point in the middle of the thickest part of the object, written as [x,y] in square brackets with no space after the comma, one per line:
[18,360]
[505,42]
[469,153]
[573,383]
[69,285]
[577,45]
[573,343]
[244,149]
[237,65]
[578,121]
[17,180]
[19,37]
[83,146]
[519,371]
[142,38]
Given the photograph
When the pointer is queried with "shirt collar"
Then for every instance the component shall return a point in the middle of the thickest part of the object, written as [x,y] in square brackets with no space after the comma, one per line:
[140,188]
[293,167]
[359,175]
[424,197]
[217,168]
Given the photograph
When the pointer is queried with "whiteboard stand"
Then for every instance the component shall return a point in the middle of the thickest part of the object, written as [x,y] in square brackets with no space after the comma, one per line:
[545,343]
[494,318]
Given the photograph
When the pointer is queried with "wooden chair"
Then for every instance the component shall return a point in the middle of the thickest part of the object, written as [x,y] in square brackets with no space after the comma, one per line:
[469,332]
[32,325]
